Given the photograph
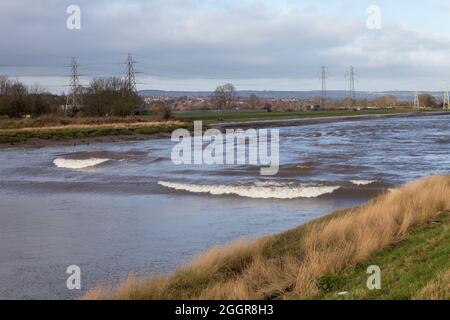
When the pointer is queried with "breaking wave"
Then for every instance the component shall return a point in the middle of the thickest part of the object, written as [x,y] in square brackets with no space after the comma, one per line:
[362,182]
[256,192]
[78,163]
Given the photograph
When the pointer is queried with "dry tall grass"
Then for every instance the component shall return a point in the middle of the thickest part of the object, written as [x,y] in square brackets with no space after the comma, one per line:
[294,260]
[88,125]
[59,121]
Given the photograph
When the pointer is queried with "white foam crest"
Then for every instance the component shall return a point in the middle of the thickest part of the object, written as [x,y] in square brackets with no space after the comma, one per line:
[253,191]
[78,163]
[362,182]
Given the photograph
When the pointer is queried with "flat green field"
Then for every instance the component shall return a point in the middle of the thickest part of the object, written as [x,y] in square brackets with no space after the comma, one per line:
[213,117]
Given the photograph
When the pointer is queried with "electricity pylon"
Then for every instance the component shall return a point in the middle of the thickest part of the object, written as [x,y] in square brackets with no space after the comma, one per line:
[130,79]
[416,101]
[446,105]
[323,92]
[73,101]
[351,92]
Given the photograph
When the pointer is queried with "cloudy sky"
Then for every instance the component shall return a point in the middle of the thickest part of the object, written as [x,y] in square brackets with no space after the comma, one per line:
[198,44]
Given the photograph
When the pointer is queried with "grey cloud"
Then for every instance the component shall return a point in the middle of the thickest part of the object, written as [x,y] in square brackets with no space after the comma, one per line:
[181,40]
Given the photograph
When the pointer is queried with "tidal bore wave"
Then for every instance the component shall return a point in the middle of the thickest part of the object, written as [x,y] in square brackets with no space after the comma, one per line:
[253,191]
[362,182]
[78,163]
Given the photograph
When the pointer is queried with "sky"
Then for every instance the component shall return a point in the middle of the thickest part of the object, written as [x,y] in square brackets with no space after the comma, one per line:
[256,45]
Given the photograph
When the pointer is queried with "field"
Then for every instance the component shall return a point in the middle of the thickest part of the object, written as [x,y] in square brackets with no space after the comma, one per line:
[405,232]
[213,117]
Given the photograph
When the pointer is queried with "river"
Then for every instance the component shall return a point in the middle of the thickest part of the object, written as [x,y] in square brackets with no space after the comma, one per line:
[134,211]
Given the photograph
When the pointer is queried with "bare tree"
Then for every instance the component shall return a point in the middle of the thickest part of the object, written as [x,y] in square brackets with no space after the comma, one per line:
[427,100]
[225,96]
[110,97]
[253,101]
[387,100]
[15,100]
[38,101]
[5,83]
[162,109]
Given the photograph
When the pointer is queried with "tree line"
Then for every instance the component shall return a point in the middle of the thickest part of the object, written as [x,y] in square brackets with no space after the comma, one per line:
[17,100]
[226,97]
[111,96]
[102,97]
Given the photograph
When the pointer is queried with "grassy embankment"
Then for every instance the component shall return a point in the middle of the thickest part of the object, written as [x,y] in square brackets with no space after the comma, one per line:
[63,128]
[405,232]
